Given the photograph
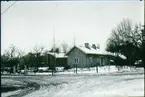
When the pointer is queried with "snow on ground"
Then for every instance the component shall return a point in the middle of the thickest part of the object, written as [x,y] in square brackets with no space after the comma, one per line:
[92,70]
[94,86]
[127,82]
[8,94]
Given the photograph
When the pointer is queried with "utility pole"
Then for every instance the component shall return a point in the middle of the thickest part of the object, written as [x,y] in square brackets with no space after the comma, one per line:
[53,65]
[75,59]
[76,68]
[76,62]
[97,68]
[74,39]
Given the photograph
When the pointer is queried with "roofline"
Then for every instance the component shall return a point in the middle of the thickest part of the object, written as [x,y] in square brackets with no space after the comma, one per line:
[90,53]
[86,53]
[73,48]
[81,50]
[69,50]
[52,54]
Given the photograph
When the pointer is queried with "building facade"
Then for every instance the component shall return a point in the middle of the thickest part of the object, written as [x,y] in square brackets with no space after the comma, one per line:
[87,56]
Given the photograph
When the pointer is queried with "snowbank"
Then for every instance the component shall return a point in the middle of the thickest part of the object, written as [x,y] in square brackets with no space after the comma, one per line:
[92,70]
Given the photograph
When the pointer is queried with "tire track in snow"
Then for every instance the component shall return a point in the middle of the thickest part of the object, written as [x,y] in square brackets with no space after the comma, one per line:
[49,86]
[31,87]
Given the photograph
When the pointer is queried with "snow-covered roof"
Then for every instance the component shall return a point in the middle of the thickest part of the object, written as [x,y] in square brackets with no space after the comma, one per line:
[58,55]
[96,51]
[93,51]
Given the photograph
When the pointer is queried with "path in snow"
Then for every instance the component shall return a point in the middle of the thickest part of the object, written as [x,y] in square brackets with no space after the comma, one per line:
[90,85]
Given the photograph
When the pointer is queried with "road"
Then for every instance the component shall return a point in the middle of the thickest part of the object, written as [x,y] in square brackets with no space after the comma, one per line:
[79,85]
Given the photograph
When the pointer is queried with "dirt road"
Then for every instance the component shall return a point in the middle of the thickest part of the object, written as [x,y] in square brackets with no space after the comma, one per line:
[73,85]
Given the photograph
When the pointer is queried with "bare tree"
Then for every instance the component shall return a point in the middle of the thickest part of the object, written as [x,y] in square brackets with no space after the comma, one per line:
[64,47]
[38,50]
[126,39]
[11,52]
[13,57]
[20,53]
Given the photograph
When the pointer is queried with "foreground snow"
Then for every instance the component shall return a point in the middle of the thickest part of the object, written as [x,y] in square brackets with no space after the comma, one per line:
[80,85]
[112,86]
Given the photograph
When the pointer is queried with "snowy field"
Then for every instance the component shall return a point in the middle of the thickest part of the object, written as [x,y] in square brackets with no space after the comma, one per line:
[126,82]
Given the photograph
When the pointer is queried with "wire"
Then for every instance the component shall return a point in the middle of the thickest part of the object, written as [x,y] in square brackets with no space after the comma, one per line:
[8,8]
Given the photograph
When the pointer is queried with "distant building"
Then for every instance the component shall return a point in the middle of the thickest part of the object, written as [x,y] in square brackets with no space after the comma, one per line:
[59,60]
[88,56]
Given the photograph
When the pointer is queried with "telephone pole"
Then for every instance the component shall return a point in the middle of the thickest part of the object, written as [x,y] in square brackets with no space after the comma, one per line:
[74,39]
[54,63]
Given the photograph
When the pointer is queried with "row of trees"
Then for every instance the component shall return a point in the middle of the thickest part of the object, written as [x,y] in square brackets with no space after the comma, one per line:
[128,39]
[14,59]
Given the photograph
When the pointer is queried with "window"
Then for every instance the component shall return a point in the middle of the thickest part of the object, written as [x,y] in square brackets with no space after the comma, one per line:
[76,60]
[91,59]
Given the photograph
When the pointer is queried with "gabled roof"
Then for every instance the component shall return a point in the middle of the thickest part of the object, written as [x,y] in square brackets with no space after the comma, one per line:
[88,51]
[93,51]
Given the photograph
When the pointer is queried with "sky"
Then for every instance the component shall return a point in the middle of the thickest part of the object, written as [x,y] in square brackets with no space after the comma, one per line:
[30,23]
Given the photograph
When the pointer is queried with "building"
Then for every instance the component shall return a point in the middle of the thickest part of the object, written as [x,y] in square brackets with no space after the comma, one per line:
[57,59]
[88,56]
[60,58]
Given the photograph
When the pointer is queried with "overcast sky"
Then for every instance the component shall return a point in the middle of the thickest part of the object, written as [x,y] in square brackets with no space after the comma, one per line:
[27,24]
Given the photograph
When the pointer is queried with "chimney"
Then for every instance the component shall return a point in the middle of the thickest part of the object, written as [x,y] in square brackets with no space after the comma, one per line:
[98,46]
[87,45]
[94,46]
